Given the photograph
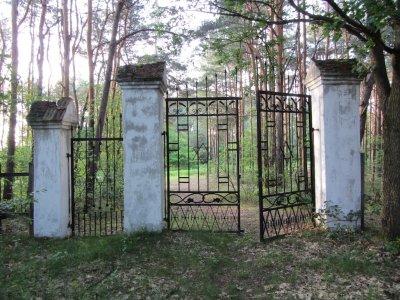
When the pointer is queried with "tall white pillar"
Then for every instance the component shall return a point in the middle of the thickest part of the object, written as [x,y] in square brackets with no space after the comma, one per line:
[334,89]
[143,88]
[51,123]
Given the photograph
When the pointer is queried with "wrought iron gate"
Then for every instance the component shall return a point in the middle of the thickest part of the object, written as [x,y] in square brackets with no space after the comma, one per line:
[285,162]
[97,180]
[202,163]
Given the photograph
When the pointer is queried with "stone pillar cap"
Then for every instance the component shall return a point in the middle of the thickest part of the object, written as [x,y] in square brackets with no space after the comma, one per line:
[142,73]
[62,112]
[332,71]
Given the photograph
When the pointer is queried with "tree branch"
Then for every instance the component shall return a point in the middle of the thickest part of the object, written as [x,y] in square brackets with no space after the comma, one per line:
[353,27]
[374,35]
[25,13]
[231,13]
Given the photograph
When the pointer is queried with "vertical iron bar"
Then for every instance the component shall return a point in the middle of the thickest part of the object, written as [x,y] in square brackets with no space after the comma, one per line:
[238,175]
[259,162]
[197,141]
[168,163]
[72,187]
[188,135]
[306,132]
[208,136]
[311,132]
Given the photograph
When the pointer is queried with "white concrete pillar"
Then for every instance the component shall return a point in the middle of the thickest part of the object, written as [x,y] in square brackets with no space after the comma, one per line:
[143,88]
[51,123]
[335,92]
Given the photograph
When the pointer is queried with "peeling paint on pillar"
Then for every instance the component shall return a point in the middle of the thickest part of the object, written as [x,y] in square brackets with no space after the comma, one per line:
[143,89]
[51,123]
[335,96]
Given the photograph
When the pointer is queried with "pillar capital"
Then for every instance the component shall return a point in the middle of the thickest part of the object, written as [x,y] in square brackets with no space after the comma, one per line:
[48,114]
[332,72]
[143,76]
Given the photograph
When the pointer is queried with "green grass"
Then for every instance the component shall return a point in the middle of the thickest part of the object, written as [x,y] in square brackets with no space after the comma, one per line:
[199,265]
[202,171]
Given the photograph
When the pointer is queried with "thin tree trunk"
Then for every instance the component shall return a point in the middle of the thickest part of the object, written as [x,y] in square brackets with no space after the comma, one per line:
[2,56]
[31,73]
[104,97]
[365,95]
[109,67]
[8,187]
[304,60]
[40,55]
[90,64]
[66,43]
[281,88]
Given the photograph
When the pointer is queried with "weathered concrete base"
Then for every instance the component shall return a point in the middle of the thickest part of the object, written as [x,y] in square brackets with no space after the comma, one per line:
[51,125]
[143,122]
[335,103]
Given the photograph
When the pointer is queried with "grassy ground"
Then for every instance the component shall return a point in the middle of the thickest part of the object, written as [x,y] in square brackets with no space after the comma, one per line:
[201,265]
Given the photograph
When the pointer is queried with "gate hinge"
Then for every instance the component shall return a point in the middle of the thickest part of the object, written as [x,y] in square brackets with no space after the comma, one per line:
[163,133]
[68,155]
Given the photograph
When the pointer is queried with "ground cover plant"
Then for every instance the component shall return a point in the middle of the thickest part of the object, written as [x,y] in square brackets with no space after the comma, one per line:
[312,263]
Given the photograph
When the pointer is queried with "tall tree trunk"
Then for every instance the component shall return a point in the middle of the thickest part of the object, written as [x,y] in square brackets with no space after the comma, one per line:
[8,188]
[365,95]
[104,97]
[90,63]
[304,60]
[299,57]
[40,55]
[281,87]
[2,56]
[31,73]
[252,80]
[328,38]
[391,149]
[109,67]
[381,77]
[66,43]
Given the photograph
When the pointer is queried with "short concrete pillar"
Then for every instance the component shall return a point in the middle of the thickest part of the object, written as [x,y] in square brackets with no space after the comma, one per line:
[51,123]
[143,88]
[335,92]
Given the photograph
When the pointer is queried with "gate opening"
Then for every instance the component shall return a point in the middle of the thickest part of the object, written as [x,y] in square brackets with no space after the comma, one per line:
[202,162]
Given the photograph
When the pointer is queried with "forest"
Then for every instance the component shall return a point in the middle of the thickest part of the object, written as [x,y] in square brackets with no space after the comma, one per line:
[56,49]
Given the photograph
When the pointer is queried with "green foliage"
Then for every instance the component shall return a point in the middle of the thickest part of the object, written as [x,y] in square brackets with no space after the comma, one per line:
[189,151]
[393,247]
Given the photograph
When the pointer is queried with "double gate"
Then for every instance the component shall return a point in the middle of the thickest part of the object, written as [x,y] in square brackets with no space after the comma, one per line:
[202,163]
[202,151]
